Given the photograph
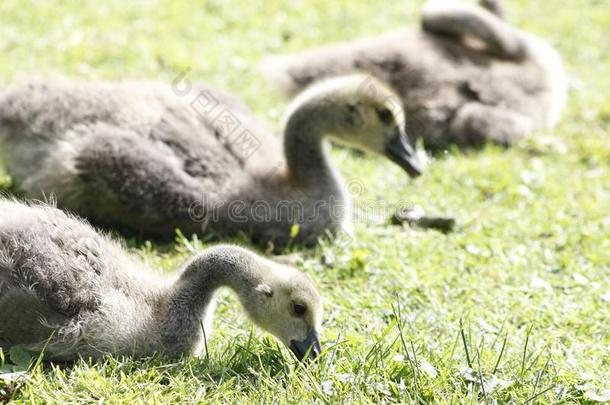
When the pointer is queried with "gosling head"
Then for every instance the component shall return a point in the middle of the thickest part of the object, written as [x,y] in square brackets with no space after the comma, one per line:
[362,112]
[286,303]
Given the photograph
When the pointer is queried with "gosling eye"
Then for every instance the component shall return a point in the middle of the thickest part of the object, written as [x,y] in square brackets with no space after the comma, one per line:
[299,309]
[385,115]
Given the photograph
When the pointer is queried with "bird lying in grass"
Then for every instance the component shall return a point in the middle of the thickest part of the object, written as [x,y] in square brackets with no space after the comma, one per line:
[465,79]
[140,156]
[72,292]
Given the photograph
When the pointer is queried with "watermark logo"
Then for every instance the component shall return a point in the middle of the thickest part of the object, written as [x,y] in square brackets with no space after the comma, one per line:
[227,125]
[296,207]
[300,213]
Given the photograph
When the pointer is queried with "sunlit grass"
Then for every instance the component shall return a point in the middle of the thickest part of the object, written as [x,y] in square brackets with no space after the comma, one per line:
[512,306]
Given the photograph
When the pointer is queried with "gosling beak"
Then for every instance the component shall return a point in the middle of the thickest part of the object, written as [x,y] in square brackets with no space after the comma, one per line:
[309,347]
[400,152]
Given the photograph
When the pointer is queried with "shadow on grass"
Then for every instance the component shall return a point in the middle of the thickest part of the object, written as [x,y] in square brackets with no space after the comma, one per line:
[245,359]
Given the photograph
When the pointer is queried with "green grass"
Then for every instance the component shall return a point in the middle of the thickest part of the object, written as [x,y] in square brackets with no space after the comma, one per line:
[513,306]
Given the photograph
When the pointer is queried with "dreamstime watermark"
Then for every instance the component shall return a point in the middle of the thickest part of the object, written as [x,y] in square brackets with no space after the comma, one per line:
[227,126]
[292,211]
[344,211]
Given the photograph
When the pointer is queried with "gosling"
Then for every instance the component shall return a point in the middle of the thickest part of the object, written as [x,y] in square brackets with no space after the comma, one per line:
[467,78]
[143,157]
[71,292]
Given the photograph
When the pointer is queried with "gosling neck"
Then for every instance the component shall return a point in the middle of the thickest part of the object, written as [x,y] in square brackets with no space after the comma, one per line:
[305,147]
[189,299]
[222,266]
[319,184]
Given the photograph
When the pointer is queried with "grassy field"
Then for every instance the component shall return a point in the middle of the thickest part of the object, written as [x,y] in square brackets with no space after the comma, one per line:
[512,307]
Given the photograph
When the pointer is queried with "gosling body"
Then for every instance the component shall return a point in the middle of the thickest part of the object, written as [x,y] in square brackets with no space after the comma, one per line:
[466,78]
[71,292]
[140,156]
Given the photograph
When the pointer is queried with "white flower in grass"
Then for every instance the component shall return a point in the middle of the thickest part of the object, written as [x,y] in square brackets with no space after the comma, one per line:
[327,387]
[381,387]
[580,279]
[427,368]
[539,284]
[398,358]
[601,396]
[345,377]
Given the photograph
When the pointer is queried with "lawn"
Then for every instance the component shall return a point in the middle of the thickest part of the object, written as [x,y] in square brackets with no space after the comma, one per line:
[511,307]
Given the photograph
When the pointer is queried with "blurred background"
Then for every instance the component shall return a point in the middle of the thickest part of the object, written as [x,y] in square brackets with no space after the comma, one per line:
[222,40]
